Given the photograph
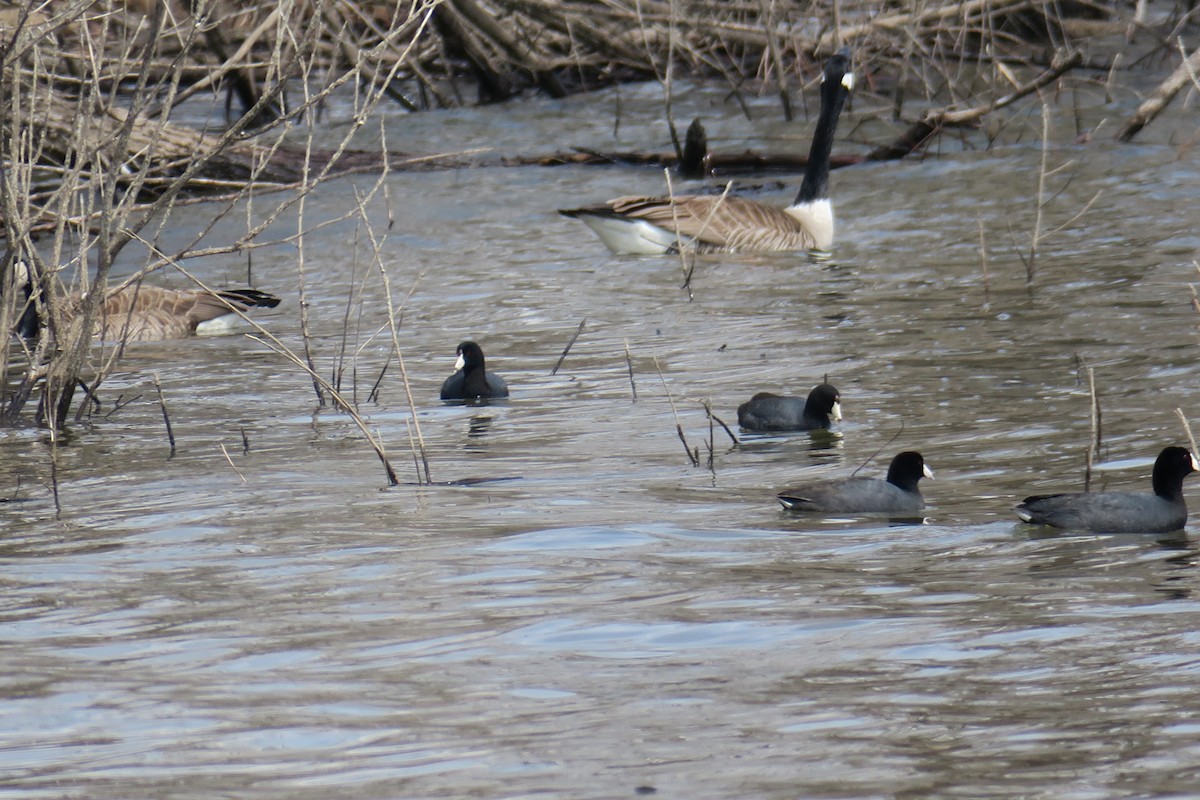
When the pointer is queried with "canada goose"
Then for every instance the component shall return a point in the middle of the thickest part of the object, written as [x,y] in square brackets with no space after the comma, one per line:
[471,379]
[656,225]
[1120,512]
[141,313]
[897,494]
[773,412]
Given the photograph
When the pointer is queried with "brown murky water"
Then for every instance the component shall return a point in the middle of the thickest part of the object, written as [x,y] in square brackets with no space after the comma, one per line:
[609,619]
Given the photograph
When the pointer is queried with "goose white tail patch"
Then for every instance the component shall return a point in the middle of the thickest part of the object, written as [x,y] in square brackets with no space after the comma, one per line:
[630,236]
[219,326]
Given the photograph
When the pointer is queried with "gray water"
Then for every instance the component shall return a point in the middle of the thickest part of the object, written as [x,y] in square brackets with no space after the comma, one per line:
[575,610]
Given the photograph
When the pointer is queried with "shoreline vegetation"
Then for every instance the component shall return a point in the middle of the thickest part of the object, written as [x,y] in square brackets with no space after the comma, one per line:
[99,150]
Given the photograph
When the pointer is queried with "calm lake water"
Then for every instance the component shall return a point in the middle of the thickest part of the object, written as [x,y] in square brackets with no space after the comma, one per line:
[573,609]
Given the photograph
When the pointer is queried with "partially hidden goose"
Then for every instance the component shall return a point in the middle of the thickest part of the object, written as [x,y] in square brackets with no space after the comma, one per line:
[897,495]
[142,313]
[707,223]
[471,380]
[1120,512]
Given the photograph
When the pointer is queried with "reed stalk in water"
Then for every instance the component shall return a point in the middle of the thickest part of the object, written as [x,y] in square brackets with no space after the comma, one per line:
[162,404]
[570,344]
[232,466]
[1093,450]
[272,342]
[629,366]
[128,166]
[1187,429]
[694,457]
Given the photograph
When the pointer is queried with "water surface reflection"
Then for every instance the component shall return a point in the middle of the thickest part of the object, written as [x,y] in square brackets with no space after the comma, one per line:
[572,608]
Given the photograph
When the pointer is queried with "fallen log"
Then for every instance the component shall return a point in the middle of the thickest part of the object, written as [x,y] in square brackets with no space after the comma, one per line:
[713,163]
[1184,74]
[934,120]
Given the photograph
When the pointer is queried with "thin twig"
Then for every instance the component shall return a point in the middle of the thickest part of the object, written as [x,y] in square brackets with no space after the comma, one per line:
[1040,203]
[732,436]
[162,403]
[629,365]
[983,262]
[886,444]
[231,464]
[709,443]
[695,459]
[567,349]
[269,340]
[1187,429]
[1093,451]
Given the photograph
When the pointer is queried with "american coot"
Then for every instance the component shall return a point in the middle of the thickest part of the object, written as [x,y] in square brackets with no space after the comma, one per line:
[773,412]
[472,380]
[143,313]
[656,225]
[897,494]
[1120,512]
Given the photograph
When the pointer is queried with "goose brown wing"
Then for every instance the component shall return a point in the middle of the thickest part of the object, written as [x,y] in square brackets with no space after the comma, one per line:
[722,223]
[142,313]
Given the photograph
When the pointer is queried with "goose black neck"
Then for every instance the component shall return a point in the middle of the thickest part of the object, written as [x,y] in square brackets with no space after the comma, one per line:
[816,174]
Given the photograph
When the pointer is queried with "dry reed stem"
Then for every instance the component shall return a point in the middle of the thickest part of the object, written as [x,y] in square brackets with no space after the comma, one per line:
[115,211]
[1038,236]
[1187,429]
[412,405]
[684,249]
[272,342]
[728,431]
[983,263]
[629,366]
[232,466]
[394,328]
[1192,286]
[710,441]
[879,449]
[687,448]
[687,251]
[570,344]
[1093,449]
[663,77]
[162,403]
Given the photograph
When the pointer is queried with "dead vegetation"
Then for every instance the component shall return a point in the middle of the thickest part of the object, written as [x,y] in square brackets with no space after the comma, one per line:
[117,114]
